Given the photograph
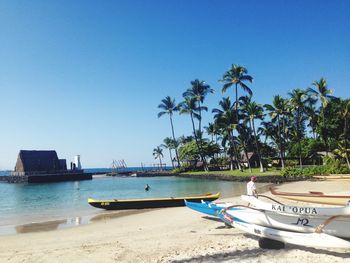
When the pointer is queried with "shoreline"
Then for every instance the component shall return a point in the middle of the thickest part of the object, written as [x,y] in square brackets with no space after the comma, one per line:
[163,235]
[64,222]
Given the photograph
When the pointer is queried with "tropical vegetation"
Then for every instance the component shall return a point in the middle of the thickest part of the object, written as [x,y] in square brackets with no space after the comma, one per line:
[308,127]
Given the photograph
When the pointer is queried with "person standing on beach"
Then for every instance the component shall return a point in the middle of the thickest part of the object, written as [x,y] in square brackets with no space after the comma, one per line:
[251,187]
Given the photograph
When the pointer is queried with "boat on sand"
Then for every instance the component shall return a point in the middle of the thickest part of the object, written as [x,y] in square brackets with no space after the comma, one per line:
[208,208]
[338,225]
[316,240]
[278,207]
[332,177]
[115,204]
[314,197]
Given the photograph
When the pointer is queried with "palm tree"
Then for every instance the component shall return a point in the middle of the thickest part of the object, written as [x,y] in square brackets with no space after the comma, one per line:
[313,116]
[243,137]
[226,120]
[236,75]
[211,130]
[324,95]
[276,110]
[322,92]
[169,144]
[298,99]
[199,90]
[255,111]
[343,151]
[168,106]
[189,106]
[346,116]
[158,154]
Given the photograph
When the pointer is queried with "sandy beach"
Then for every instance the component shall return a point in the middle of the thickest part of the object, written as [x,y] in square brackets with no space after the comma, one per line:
[163,235]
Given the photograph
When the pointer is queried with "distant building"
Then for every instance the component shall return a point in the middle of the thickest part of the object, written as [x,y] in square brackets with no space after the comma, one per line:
[29,162]
[44,166]
[253,159]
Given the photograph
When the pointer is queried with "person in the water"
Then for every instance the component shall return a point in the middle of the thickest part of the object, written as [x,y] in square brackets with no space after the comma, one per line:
[147,187]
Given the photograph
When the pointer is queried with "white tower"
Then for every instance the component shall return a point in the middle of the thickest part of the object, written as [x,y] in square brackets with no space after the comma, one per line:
[77,162]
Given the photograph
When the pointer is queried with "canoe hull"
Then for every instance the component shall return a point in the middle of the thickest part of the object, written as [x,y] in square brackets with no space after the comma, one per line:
[321,240]
[339,227]
[149,203]
[312,197]
[296,210]
[208,208]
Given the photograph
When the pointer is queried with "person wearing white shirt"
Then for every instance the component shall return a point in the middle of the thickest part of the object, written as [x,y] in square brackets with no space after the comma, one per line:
[251,187]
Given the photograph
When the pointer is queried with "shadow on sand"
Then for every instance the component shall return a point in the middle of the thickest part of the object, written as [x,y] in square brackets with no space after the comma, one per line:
[254,253]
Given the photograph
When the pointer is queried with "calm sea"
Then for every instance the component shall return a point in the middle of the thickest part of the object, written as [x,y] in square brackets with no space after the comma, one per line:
[32,203]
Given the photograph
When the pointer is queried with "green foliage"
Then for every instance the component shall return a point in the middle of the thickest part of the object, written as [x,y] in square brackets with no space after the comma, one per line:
[189,151]
[182,169]
[309,147]
[315,170]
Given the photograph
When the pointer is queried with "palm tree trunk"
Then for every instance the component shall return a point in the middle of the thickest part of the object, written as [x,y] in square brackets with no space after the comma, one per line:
[176,152]
[345,140]
[171,158]
[236,107]
[200,118]
[236,153]
[160,162]
[299,139]
[257,147]
[244,148]
[246,156]
[280,140]
[198,145]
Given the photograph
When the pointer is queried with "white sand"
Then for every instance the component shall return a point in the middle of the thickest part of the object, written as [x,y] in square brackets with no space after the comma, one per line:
[163,235]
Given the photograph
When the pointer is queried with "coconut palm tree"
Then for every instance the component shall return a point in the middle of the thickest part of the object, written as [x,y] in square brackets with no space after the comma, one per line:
[198,90]
[276,110]
[169,144]
[323,93]
[344,145]
[313,117]
[242,139]
[211,130]
[237,75]
[158,154]
[255,111]
[168,106]
[226,120]
[298,99]
[189,106]
[343,151]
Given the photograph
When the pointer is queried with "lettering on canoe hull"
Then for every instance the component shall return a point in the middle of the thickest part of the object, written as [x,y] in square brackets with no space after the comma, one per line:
[294,209]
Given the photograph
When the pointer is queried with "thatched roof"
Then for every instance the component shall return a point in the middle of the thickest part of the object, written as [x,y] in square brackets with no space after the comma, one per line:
[38,161]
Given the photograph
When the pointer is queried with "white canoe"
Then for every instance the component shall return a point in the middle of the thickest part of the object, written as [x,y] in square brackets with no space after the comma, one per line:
[316,240]
[340,226]
[296,210]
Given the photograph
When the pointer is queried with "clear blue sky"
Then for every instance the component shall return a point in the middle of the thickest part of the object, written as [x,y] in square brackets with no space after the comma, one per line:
[86,77]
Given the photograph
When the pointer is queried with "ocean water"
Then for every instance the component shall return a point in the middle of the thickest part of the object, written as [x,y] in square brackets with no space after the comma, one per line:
[33,203]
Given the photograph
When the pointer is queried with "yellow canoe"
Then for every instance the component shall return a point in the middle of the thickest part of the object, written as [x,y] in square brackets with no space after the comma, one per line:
[150,202]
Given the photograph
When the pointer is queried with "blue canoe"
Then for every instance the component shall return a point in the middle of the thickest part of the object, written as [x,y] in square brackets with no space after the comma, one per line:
[208,208]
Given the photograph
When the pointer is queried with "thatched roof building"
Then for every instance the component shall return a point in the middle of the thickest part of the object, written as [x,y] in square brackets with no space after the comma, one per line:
[39,161]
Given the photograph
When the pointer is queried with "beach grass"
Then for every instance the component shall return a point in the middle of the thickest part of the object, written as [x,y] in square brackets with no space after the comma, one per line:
[246,172]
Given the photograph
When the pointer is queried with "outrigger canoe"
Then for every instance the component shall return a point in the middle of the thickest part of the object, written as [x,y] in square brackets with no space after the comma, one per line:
[338,225]
[320,240]
[332,177]
[115,204]
[314,197]
[208,208]
[278,207]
